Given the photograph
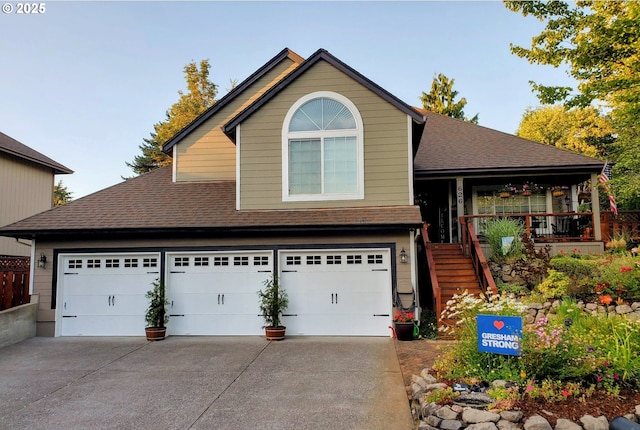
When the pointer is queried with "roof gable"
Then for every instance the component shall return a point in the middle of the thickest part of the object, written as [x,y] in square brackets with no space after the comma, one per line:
[321,55]
[451,146]
[286,53]
[10,146]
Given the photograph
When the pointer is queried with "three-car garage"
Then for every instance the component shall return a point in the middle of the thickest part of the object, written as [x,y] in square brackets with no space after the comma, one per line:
[214,292]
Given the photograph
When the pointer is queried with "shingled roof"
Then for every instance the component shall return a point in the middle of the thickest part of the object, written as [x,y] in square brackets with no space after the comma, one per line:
[450,146]
[12,147]
[152,203]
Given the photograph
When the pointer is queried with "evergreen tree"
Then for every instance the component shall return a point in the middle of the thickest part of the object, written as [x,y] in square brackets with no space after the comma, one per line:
[61,195]
[441,99]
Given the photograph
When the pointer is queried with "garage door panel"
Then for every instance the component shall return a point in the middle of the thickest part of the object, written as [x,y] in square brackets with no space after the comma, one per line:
[215,293]
[337,292]
[104,294]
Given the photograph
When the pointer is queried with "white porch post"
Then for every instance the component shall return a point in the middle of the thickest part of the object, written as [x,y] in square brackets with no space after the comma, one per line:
[459,205]
[595,206]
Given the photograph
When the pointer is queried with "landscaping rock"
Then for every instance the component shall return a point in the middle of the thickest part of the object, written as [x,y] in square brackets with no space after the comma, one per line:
[417,390]
[428,377]
[430,409]
[425,426]
[499,383]
[432,420]
[536,306]
[482,426]
[436,386]
[536,422]
[418,380]
[623,309]
[512,416]
[451,425]
[446,413]
[635,305]
[506,425]
[638,411]
[474,399]
[631,417]
[474,416]
[591,306]
[589,422]
[564,424]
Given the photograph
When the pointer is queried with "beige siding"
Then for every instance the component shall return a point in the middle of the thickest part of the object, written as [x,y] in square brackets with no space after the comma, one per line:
[43,277]
[25,190]
[207,153]
[386,174]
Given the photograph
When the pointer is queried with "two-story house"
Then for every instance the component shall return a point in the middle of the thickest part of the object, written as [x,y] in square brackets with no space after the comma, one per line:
[27,179]
[304,171]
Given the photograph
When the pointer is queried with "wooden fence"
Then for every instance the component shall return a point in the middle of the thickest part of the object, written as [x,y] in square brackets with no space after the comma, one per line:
[14,281]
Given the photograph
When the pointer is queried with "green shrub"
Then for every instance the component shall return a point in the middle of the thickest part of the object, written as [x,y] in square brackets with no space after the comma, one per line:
[575,267]
[556,285]
[619,277]
[505,227]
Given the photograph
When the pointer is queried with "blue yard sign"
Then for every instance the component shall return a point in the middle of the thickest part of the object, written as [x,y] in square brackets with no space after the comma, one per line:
[499,334]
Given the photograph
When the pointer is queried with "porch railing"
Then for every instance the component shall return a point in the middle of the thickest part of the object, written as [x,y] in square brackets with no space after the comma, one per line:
[435,287]
[544,227]
[626,223]
[471,247]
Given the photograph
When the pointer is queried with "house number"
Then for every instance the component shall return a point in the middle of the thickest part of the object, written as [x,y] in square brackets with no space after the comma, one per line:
[460,195]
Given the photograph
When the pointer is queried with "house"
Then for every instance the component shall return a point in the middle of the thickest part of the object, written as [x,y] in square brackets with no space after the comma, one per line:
[27,179]
[308,171]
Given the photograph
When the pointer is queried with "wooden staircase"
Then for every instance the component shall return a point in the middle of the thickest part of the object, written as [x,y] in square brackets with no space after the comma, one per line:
[454,270]
[455,273]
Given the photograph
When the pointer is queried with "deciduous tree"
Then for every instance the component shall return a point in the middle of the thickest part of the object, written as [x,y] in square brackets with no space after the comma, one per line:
[200,96]
[582,130]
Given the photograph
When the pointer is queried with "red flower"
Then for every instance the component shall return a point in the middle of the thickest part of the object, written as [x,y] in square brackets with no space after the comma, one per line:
[626,269]
[606,300]
[402,316]
[565,393]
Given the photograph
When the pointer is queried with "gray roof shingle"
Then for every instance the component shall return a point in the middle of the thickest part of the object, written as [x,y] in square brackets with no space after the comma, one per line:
[10,146]
[152,202]
[450,146]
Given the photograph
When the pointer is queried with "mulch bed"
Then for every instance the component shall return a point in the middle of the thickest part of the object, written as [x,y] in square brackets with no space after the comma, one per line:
[415,355]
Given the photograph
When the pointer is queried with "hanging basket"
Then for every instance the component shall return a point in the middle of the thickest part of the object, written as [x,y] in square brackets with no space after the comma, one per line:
[584,196]
[558,193]
[505,194]
[526,193]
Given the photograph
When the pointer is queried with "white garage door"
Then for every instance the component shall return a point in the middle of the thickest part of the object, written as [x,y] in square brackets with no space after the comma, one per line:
[215,293]
[338,292]
[104,294]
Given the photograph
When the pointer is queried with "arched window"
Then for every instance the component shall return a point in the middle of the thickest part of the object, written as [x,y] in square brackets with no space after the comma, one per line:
[322,149]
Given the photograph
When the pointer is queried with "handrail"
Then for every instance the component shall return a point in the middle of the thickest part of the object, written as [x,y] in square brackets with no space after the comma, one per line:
[544,227]
[471,247]
[626,223]
[435,287]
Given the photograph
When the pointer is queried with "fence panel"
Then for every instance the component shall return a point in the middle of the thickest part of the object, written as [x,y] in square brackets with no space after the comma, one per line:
[14,282]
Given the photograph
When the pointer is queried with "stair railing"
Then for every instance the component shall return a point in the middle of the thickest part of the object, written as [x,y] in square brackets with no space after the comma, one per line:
[435,287]
[471,247]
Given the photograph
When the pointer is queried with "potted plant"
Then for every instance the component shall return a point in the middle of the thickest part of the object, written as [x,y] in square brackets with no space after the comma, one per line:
[403,325]
[529,188]
[558,190]
[157,316]
[506,190]
[273,301]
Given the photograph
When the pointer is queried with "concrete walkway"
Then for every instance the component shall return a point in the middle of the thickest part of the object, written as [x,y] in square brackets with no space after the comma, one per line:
[202,383]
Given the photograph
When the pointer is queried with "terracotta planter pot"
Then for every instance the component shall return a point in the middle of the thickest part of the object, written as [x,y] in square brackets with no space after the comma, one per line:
[526,193]
[404,330]
[558,193]
[505,195]
[155,333]
[274,333]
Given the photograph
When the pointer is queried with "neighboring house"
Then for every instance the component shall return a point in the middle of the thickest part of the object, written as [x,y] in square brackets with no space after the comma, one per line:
[27,179]
[306,170]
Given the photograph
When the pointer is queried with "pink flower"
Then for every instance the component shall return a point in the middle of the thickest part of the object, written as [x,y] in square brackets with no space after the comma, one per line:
[599,378]
[616,377]
[565,393]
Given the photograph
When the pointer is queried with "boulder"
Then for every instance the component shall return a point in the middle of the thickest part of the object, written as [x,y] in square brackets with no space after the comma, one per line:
[482,426]
[473,416]
[512,416]
[589,422]
[564,424]
[446,413]
[536,422]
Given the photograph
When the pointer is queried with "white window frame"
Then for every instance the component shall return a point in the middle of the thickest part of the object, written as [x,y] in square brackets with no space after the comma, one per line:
[287,135]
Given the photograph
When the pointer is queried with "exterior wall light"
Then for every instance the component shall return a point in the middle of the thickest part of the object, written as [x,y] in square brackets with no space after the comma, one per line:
[42,261]
[403,256]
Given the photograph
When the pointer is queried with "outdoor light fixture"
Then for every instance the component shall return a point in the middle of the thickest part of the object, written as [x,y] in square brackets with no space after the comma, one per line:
[403,256]
[42,260]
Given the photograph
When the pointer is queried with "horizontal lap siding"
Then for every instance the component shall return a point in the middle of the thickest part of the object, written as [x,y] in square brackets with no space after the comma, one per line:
[385,145]
[25,190]
[207,153]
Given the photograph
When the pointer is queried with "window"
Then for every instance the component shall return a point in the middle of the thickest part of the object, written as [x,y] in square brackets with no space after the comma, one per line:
[201,261]
[322,149]
[181,261]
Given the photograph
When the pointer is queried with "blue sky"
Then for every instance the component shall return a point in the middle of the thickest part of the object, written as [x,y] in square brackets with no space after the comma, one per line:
[84,82]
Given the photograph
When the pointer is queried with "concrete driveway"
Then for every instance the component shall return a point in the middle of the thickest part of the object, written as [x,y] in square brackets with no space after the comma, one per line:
[202,383]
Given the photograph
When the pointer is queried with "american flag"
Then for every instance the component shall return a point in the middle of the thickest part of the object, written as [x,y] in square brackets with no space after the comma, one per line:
[604,180]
